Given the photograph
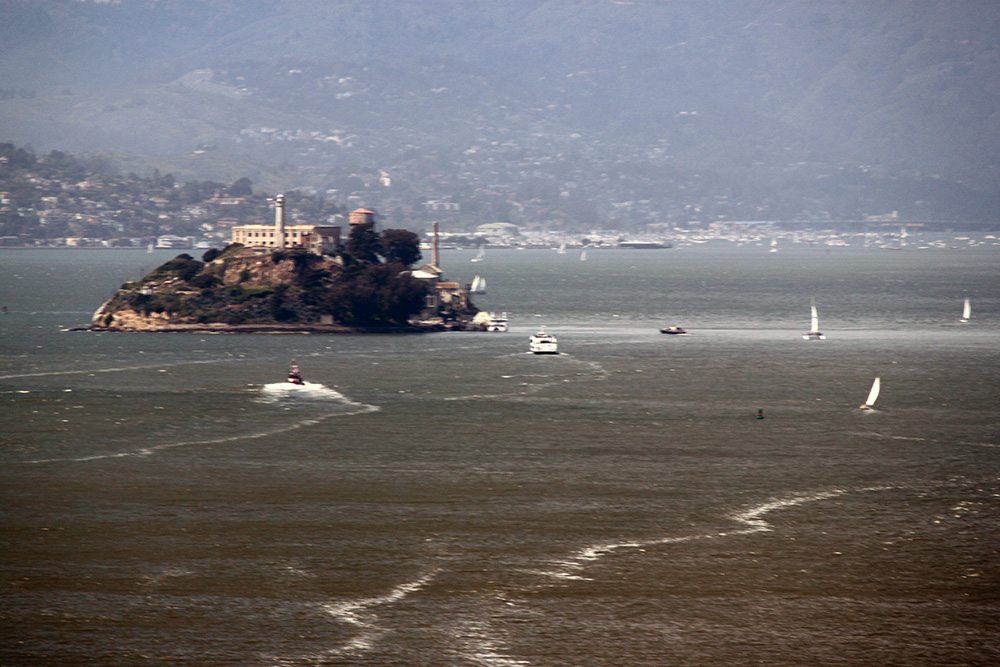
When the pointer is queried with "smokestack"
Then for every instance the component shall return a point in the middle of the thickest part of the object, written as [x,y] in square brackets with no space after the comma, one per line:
[279,222]
[434,261]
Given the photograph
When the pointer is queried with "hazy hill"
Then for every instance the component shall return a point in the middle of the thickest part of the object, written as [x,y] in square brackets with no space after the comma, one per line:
[766,93]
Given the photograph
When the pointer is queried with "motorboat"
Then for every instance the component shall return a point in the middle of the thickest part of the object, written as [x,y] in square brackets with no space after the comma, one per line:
[676,331]
[497,322]
[294,377]
[543,343]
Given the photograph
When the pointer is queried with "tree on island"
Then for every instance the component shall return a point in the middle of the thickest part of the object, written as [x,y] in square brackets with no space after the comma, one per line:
[363,243]
[374,288]
[400,246]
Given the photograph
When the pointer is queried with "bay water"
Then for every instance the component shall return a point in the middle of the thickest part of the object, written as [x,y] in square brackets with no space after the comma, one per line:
[449,499]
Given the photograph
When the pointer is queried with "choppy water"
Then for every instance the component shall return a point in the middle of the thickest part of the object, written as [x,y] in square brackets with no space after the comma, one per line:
[449,499]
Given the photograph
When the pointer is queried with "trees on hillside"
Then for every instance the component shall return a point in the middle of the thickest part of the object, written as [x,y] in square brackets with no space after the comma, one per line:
[363,243]
[393,246]
[400,246]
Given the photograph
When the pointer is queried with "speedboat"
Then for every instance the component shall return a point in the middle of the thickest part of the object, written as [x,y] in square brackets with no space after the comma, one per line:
[294,377]
[677,331]
[543,343]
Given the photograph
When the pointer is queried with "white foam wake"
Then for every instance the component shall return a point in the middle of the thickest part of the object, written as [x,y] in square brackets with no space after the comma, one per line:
[117,369]
[362,615]
[752,520]
[277,391]
[312,391]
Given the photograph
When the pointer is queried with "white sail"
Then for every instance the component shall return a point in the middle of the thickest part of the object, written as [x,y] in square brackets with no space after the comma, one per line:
[966,311]
[481,255]
[873,394]
[814,321]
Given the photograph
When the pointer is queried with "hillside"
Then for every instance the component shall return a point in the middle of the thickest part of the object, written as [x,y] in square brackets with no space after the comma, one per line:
[240,290]
[527,110]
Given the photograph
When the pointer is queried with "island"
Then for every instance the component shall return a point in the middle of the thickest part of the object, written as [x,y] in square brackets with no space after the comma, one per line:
[368,285]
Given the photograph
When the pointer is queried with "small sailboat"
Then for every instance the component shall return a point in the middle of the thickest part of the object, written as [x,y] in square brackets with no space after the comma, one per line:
[966,311]
[872,395]
[478,285]
[814,333]
[562,249]
[481,255]
[294,377]
[583,256]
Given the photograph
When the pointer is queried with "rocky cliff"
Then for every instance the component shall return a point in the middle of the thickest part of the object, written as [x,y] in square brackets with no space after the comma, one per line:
[239,289]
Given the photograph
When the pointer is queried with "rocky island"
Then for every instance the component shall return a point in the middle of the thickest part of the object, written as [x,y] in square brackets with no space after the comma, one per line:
[240,289]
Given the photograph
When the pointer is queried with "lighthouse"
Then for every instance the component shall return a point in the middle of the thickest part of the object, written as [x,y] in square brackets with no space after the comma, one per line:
[279,222]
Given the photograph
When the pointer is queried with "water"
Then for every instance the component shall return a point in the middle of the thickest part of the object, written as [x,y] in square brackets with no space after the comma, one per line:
[450,500]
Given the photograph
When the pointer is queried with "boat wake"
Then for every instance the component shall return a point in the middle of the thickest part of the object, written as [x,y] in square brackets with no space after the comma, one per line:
[528,384]
[282,393]
[279,391]
[480,642]
[748,521]
[362,615]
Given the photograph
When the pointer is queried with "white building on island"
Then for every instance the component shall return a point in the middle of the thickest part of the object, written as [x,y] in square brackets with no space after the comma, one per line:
[317,238]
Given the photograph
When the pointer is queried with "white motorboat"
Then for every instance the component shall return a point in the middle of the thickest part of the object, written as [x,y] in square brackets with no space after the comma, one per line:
[543,343]
[872,395]
[676,331]
[814,333]
[497,322]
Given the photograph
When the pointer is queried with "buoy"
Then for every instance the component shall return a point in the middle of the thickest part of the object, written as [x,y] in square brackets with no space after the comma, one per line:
[760,414]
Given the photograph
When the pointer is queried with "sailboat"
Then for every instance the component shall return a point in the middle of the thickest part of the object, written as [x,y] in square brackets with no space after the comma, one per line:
[583,256]
[814,333]
[966,311]
[478,285]
[562,249]
[481,255]
[872,395]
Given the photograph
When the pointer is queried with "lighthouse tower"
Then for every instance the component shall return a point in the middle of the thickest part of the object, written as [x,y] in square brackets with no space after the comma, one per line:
[279,222]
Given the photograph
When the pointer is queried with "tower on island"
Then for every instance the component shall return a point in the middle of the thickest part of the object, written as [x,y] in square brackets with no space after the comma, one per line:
[279,222]
[361,216]
[279,236]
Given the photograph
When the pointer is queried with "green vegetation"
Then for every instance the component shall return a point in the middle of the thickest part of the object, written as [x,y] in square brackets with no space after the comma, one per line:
[58,195]
[355,287]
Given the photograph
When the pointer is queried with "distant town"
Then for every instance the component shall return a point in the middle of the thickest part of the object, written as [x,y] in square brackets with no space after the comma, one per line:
[58,200]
